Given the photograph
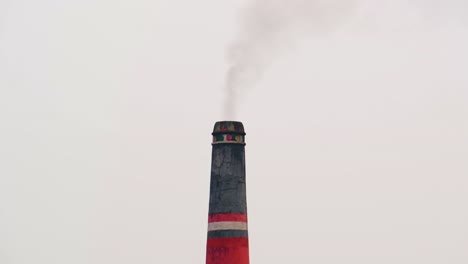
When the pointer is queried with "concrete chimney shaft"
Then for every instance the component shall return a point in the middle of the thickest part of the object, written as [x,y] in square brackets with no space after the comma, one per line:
[228,241]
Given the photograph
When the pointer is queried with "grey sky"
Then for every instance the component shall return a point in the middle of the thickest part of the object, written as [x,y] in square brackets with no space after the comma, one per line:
[357,142]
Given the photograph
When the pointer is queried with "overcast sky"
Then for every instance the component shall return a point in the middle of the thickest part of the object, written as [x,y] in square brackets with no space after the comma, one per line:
[357,134]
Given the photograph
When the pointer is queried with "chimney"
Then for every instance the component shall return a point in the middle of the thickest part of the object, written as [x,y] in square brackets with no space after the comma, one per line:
[228,241]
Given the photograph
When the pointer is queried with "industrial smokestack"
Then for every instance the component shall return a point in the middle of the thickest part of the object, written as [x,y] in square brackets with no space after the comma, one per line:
[228,241]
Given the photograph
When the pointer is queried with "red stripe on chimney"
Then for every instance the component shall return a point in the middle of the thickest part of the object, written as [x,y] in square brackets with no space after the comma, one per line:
[227,218]
[227,251]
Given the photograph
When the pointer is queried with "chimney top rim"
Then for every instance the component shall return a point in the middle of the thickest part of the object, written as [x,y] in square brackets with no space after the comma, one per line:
[229,127]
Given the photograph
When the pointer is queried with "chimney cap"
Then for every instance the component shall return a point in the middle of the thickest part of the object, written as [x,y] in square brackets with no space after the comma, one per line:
[229,127]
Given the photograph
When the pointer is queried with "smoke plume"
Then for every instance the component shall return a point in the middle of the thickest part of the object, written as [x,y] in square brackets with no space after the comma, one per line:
[266,27]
